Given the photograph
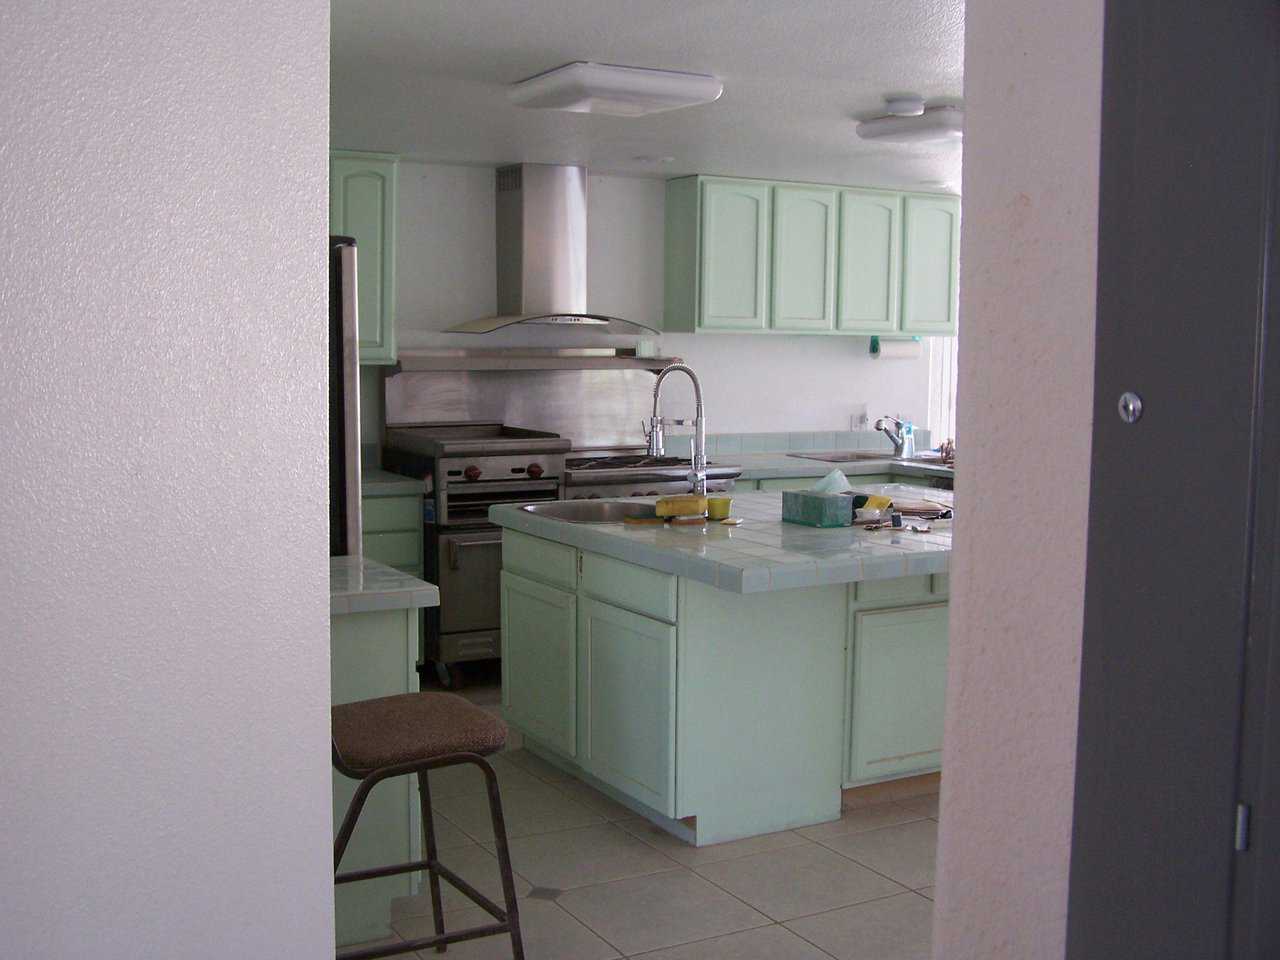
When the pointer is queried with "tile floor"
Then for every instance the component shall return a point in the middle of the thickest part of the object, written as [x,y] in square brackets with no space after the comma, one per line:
[597,882]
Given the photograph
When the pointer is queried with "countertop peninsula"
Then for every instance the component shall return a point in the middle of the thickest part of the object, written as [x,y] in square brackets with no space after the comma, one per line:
[361,585]
[763,553]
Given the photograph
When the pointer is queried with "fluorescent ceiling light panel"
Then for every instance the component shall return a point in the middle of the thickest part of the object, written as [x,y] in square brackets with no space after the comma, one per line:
[616,91]
[935,124]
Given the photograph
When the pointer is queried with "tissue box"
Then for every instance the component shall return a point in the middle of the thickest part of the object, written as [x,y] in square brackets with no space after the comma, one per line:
[817,509]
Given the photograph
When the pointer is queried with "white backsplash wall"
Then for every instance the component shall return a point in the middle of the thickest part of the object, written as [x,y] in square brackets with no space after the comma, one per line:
[751,382]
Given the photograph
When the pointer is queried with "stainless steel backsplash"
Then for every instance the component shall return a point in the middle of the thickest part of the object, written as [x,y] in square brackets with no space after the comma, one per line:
[593,408]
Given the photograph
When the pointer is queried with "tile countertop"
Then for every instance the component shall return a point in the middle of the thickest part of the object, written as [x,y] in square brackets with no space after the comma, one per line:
[763,553]
[360,586]
[375,482]
[767,466]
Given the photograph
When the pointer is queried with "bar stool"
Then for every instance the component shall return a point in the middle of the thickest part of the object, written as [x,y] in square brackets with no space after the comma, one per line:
[416,733]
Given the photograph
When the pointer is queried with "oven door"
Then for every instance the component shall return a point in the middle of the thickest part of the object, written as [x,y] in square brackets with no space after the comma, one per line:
[469,563]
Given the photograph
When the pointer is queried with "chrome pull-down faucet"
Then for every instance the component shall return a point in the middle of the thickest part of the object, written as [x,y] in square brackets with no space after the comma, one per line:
[698,458]
[900,434]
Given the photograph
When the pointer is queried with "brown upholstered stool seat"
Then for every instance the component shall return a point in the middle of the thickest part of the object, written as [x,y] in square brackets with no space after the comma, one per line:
[410,727]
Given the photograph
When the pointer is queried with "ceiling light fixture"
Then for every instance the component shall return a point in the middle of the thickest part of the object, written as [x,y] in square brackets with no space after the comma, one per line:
[908,120]
[584,87]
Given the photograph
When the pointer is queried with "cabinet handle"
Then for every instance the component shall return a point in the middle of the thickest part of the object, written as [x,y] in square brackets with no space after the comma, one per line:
[457,546]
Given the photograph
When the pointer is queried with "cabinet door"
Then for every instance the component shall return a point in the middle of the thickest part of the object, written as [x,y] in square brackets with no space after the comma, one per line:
[870,261]
[930,265]
[804,258]
[626,672]
[362,204]
[539,668]
[899,691]
[734,256]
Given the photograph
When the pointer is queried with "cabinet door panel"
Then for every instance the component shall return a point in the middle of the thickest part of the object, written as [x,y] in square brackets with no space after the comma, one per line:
[735,256]
[870,262]
[362,204]
[930,265]
[539,668]
[626,666]
[804,258]
[899,691]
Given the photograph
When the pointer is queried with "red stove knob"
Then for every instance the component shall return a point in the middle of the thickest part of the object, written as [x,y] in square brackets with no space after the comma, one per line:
[472,473]
[534,470]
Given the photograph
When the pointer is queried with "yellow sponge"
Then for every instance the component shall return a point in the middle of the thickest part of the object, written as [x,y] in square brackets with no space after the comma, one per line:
[682,505]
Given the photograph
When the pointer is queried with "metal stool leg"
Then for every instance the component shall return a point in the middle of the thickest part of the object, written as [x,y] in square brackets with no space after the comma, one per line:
[504,860]
[433,878]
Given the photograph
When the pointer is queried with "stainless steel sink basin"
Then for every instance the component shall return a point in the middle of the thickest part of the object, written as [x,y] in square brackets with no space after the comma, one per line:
[590,511]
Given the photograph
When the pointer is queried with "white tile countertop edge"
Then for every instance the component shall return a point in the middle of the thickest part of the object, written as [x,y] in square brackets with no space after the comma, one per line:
[360,585]
[772,466]
[760,555]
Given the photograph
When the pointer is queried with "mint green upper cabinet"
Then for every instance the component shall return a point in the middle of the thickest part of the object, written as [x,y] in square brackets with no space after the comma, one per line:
[930,266]
[735,255]
[362,204]
[627,678]
[804,258]
[539,629]
[756,256]
[870,262]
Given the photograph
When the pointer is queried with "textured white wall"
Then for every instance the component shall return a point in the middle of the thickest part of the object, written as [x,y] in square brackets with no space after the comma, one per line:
[165,596]
[1032,94]
[753,383]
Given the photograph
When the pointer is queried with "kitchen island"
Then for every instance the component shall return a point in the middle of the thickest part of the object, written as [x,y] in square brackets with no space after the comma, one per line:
[727,681]
[373,637]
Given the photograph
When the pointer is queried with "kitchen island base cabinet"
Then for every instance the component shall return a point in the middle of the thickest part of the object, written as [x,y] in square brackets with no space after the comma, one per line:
[374,654]
[539,646]
[627,675]
[898,666]
[720,715]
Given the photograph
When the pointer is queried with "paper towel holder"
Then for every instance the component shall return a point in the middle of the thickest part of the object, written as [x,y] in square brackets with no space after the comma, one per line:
[875,343]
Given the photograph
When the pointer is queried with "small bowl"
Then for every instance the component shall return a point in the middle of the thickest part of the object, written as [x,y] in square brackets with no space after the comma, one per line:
[718,507]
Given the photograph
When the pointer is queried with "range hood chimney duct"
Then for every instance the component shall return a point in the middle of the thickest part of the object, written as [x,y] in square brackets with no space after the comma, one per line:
[542,252]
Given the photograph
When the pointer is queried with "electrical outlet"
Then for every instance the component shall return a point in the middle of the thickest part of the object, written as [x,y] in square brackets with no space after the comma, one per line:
[859,419]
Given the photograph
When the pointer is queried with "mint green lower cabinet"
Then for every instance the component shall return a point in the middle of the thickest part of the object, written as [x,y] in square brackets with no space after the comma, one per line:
[375,655]
[898,669]
[393,531]
[627,717]
[539,661]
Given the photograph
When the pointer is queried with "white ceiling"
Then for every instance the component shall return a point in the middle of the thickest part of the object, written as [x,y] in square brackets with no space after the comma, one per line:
[426,79]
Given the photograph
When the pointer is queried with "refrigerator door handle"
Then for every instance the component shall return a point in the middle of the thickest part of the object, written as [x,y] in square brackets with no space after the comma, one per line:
[351,396]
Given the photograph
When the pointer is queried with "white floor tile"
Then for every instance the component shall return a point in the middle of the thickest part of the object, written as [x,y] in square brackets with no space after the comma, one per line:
[527,810]
[548,933]
[797,881]
[692,856]
[896,928]
[923,806]
[593,799]
[467,780]
[662,910]
[537,766]
[763,943]
[906,852]
[577,858]
[861,819]
[474,864]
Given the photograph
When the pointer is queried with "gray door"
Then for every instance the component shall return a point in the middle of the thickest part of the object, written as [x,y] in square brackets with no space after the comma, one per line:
[1180,504]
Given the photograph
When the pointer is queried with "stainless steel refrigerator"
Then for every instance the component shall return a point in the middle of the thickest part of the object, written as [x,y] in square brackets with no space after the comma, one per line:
[344,401]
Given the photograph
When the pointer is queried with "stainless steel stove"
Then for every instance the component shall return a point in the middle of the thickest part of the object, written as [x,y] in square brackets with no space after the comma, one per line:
[469,467]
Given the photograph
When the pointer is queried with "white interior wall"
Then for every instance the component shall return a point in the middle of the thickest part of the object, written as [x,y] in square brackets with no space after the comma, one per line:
[1027,300]
[165,619]
[752,383]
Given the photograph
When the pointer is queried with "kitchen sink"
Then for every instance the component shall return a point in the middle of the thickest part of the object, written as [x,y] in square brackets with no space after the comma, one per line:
[590,511]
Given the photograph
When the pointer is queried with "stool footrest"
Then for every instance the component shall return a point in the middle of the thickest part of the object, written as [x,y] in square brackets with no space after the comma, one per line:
[424,943]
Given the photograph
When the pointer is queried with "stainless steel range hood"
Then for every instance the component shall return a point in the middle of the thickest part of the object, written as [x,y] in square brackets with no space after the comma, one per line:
[542,252]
